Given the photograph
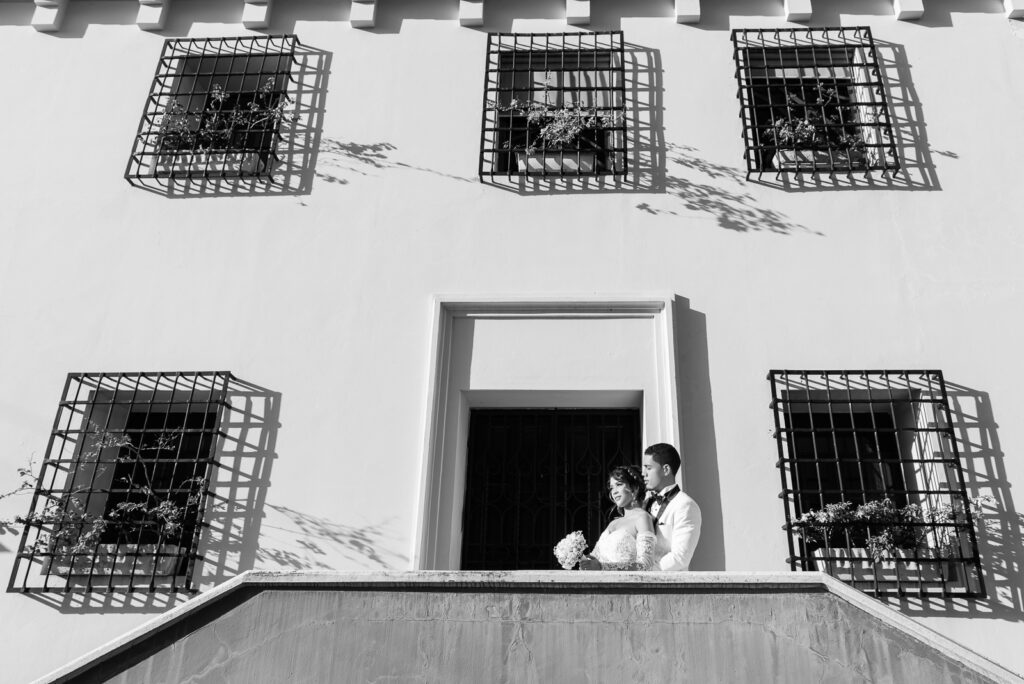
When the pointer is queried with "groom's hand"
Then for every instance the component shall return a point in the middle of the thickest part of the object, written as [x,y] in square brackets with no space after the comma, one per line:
[589,563]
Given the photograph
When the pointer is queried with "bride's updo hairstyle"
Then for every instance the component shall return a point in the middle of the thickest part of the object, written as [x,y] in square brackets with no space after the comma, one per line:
[630,476]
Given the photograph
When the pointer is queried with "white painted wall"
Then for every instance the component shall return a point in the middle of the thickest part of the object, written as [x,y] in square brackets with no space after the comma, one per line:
[325,298]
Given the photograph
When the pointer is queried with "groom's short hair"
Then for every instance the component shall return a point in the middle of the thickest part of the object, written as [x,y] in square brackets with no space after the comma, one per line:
[664,454]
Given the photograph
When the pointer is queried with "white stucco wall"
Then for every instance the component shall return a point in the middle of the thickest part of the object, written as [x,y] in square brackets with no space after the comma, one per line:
[326,297]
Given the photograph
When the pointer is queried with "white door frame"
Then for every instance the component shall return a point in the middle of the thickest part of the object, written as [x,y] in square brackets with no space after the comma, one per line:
[442,468]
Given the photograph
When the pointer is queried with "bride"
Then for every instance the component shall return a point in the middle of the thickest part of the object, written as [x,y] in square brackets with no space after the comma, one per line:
[628,541]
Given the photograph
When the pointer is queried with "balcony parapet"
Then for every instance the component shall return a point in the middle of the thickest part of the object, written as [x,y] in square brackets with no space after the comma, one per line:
[549,611]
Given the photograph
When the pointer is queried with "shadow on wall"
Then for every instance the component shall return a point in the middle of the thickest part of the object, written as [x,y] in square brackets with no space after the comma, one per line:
[78,17]
[245,457]
[936,12]
[299,541]
[285,16]
[697,424]
[693,184]
[1001,528]
[940,12]
[16,13]
[838,12]
[719,191]
[338,160]
[499,15]
[608,16]
[392,13]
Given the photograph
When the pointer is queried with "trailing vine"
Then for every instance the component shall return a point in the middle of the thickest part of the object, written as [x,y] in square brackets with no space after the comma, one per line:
[225,123]
[68,531]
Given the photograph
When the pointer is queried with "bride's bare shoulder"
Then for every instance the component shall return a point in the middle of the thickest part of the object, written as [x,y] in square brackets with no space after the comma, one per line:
[643,521]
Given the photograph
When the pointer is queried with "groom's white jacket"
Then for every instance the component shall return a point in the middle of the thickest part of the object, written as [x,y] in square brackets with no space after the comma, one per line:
[678,532]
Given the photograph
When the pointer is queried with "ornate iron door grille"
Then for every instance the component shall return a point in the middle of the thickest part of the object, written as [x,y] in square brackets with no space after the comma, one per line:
[120,498]
[812,101]
[534,475]
[872,481]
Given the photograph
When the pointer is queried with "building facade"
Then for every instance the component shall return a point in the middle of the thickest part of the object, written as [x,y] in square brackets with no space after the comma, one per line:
[350,286]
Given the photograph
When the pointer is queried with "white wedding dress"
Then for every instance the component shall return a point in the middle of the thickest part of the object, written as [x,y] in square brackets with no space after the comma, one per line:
[624,549]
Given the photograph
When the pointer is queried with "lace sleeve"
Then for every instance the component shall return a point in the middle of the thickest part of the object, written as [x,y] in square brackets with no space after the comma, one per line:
[645,551]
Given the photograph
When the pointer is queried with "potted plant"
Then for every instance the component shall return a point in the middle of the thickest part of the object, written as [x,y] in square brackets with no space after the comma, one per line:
[855,542]
[881,542]
[826,527]
[819,135]
[233,133]
[143,535]
[558,139]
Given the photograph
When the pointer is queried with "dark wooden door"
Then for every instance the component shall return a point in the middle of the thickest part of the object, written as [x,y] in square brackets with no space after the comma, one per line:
[534,475]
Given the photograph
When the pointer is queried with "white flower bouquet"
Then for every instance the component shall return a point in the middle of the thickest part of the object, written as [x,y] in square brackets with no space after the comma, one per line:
[570,550]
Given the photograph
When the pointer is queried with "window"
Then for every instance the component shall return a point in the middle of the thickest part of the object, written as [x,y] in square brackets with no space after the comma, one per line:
[812,100]
[554,105]
[120,497]
[216,109]
[872,481]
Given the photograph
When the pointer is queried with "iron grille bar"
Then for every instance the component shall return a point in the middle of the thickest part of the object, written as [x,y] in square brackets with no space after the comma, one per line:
[121,493]
[872,483]
[216,109]
[554,105]
[812,101]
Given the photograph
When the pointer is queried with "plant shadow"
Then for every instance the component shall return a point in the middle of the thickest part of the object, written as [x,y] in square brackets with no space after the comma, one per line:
[339,160]
[302,542]
[703,186]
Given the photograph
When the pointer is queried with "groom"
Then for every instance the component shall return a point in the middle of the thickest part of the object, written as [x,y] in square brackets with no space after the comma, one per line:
[676,515]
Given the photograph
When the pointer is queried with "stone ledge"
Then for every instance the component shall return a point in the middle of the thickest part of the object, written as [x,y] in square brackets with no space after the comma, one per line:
[541,582]
[530,579]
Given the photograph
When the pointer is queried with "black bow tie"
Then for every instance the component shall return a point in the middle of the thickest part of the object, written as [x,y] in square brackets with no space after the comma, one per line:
[664,498]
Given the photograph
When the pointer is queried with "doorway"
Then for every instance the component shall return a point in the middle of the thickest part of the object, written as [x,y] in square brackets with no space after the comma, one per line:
[534,475]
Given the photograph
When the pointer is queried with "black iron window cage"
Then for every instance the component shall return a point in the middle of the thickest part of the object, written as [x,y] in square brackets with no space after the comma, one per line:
[554,105]
[119,503]
[813,101]
[872,481]
[217,109]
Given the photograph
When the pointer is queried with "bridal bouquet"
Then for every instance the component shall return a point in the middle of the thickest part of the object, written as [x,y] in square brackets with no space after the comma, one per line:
[570,550]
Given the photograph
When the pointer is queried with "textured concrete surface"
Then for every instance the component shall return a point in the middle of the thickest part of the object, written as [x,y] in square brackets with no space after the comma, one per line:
[533,632]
